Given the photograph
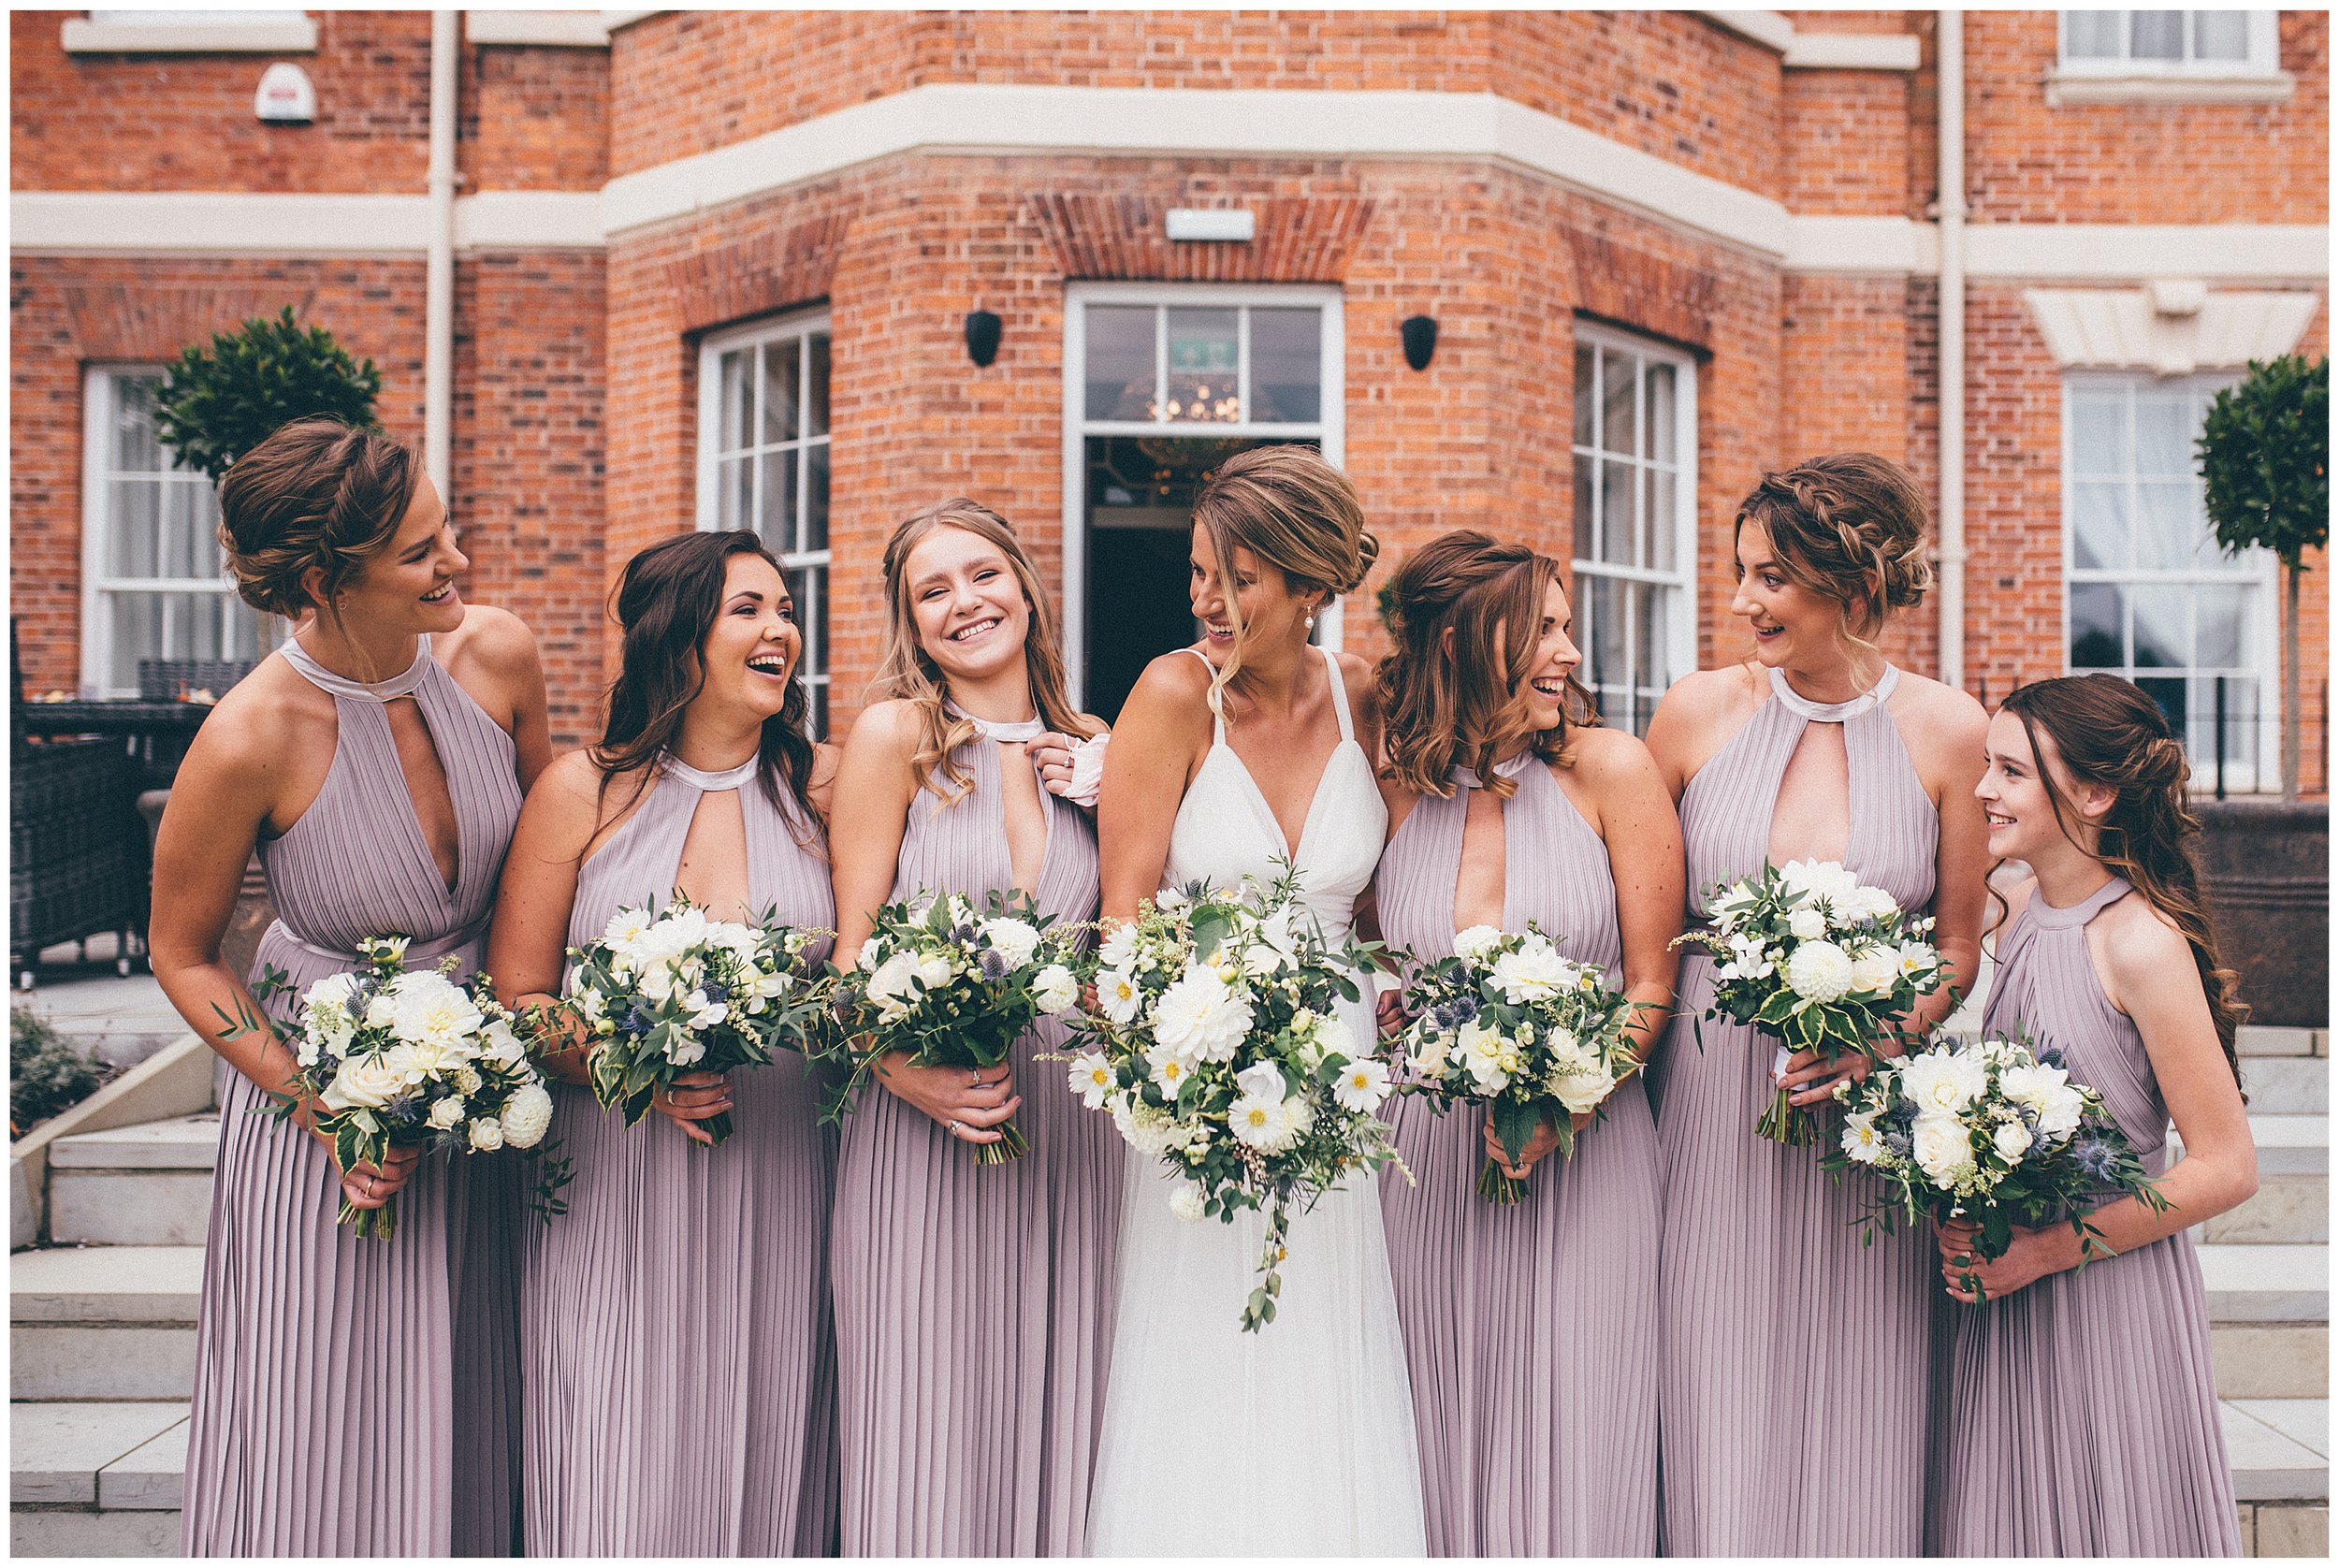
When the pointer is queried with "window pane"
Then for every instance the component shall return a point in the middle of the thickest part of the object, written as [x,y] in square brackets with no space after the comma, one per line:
[1616,512]
[783,367]
[2220,35]
[2091,35]
[815,497]
[2241,728]
[2155,35]
[2100,443]
[1586,357]
[2171,531]
[1120,372]
[2098,524]
[2169,692]
[1651,667]
[138,633]
[1616,403]
[816,387]
[2166,424]
[2217,627]
[732,426]
[776,522]
[1587,544]
[1660,413]
[1202,353]
[175,556]
[134,520]
[1661,521]
[1600,633]
[2097,643]
[734,493]
[2163,624]
[1287,365]
[136,448]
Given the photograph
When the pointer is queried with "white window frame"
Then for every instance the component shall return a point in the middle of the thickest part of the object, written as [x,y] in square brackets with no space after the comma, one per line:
[98,406]
[801,326]
[2258,77]
[2261,650]
[1328,429]
[2261,54]
[1681,642]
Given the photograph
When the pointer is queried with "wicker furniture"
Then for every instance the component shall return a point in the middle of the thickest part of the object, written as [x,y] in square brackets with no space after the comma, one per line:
[77,848]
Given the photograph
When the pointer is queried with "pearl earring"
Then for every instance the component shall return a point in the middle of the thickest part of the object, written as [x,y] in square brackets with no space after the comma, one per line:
[1310,621]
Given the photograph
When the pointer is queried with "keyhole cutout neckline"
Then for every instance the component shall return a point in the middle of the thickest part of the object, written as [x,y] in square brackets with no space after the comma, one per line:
[382,693]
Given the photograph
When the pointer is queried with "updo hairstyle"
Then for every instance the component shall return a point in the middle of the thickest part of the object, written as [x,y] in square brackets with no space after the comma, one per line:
[1295,512]
[1849,527]
[316,495]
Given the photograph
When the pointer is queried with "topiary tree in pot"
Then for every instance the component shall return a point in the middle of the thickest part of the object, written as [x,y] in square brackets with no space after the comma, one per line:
[218,403]
[2265,462]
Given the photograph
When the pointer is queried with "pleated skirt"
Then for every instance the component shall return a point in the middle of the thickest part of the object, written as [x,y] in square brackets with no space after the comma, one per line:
[974,1324]
[2081,1418]
[681,1384]
[352,1397]
[1793,1377]
[1532,1337]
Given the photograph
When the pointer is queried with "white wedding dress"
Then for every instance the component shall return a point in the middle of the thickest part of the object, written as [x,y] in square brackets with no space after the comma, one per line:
[1298,1440]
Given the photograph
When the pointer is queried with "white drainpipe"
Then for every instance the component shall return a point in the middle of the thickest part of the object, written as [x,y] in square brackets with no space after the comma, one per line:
[1951,73]
[438,355]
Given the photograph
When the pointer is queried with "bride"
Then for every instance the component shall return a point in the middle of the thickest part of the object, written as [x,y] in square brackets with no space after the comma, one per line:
[1299,1439]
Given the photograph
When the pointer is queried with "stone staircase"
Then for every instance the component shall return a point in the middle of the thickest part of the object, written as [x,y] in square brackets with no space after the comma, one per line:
[103,1326]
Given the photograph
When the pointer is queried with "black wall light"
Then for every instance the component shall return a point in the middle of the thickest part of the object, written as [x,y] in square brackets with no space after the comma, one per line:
[1420,334]
[983,336]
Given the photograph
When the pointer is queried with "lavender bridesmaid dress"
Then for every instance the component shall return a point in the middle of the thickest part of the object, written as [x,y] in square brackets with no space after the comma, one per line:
[681,1392]
[2082,1410]
[362,1398]
[1791,1393]
[1531,1330]
[974,1303]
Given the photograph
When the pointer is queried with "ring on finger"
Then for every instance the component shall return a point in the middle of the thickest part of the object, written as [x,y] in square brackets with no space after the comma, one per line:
[956,1128]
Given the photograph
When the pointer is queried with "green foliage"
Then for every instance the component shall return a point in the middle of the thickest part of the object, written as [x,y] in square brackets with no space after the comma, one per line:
[48,1073]
[218,403]
[2265,457]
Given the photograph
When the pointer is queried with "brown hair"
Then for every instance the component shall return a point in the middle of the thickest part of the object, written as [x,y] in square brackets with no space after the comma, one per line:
[1440,708]
[2109,734]
[908,674]
[666,602]
[1298,514]
[316,495]
[1849,527]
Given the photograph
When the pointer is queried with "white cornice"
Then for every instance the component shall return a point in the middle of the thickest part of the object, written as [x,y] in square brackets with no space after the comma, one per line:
[258,35]
[2117,252]
[1826,243]
[215,223]
[540,29]
[529,220]
[1821,52]
[2128,329]
[1770,29]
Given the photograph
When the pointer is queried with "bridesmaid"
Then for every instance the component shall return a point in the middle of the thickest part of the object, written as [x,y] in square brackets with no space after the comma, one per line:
[681,1387]
[973,1304]
[1531,1330]
[2082,1414]
[352,1397]
[1792,1391]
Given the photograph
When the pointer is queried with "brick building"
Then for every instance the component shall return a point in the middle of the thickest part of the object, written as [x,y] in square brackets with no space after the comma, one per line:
[629,272]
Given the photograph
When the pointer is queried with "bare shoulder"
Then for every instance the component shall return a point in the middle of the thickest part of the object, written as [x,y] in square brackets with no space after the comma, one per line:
[890,727]
[2142,942]
[571,781]
[494,636]
[1093,725]
[1945,715]
[1604,756]
[1174,677]
[268,715]
[1705,696]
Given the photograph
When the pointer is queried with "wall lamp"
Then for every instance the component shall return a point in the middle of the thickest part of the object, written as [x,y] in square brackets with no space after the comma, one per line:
[1420,334]
[983,336]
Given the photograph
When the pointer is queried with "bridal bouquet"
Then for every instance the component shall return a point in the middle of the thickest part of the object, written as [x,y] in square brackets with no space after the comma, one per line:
[1215,1045]
[669,991]
[389,1056]
[1994,1130]
[956,989]
[1816,959]
[1509,1023]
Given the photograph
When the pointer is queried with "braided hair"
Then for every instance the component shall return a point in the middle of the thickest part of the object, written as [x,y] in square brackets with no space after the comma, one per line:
[1850,527]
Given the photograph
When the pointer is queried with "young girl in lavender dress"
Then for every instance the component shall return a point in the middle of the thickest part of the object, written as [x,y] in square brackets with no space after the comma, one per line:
[680,1375]
[1793,1396]
[352,1397]
[1531,1330]
[973,1302]
[2082,1410]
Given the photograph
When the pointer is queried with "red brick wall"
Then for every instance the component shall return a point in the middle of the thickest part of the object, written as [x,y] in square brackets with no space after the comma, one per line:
[533,119]
[1846,142]
[184,122]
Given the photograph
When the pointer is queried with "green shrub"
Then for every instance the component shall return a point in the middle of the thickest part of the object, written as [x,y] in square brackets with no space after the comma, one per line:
[48,1073]
[218,403]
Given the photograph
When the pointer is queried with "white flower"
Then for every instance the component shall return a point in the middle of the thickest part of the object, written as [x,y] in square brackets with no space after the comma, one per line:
[1433,1053]
[2012,1140]
[370,1082]
[526,1116]
[1529,976]
[1943,1081]
[1261,1080]
[1490,1055]
[889,986]
[1267,1125]
[1747,960]
[1474,943]
[1170,1071]
[1333,1038]
[468,1079]
[1808,923]
[704,1011]
[1186,1199]
[1092,1078]
[1864,903]
[1875,970]
[333,991]
[626,929]
[1861,1141]
[1916,958]
[1146,1127]
[1118,947]
[1169,901]
[592,1004]
[1940,1147]
[1361,1086]
[1201,1016]
[1117,995]
[500,1046]
[1579,1079]
[682,1050]
[1055,989]
[446,1113]
[487,1135]
[1819,971]
[1014,940]
[2061,1119]
[1822,880]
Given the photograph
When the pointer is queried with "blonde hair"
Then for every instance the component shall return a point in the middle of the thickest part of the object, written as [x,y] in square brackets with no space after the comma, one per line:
[908,674]
[1849,527]
[1298,514]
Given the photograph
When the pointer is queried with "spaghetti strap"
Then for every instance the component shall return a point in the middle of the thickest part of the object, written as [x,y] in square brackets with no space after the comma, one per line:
[1340,693]
[1217,717]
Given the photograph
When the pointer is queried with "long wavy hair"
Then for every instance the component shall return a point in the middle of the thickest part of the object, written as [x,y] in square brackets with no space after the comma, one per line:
[2109,734]
[666,602]
[1850,527]
[909,674]
[1439,707]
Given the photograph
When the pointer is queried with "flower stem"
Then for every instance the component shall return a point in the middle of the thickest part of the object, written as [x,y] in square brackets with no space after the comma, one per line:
[1787,1123]
[1496,1186]
[371,1223]
[1010,1146]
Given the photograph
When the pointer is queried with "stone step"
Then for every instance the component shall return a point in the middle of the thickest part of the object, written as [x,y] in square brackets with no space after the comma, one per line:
[2278,1449]
[50,1532]
[180,1143]
[57,1453]
[2287,1085]
[104,1323]
[147,1185]
[2285,1209]
[2270,1361]
[2286,1530]
[2258,1039]
[2286,1145]
[2267,1284]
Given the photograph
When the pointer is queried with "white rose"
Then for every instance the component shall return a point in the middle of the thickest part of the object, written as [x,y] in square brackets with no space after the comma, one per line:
[1055,989]
[1578,1079]
[1015,940]
[1528,975]
[1186,1199]
[2063,1106]
[1433,1053]
[1943,1081]
[487,1135]
[1809,924]
[1474,943]
[1875,970]
[2012,1140]
[1361,1086]
[527,1115]
[1201,1017]
[1940,1147]
[1092,1078]
[1864,903]
[446,1113]
[889,986]
[1824,879]
[363,1080]
[1819,971]
[934,971]
[1861,1141]
[1333,1038]
[1261,1080]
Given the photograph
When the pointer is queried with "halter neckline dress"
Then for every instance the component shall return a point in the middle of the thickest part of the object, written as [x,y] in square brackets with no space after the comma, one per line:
[362,1398]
